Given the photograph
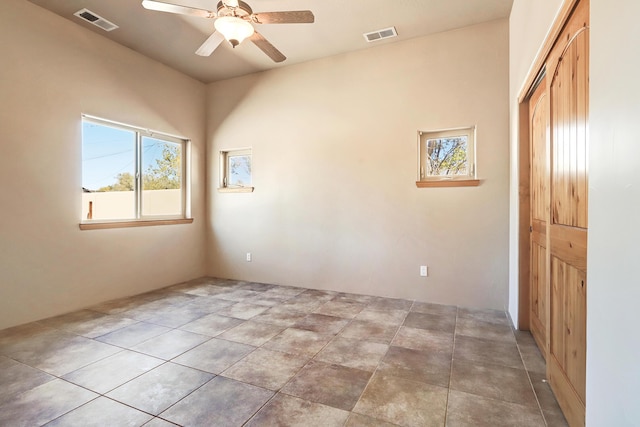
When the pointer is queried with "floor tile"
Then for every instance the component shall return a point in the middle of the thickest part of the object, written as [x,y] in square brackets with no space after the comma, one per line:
[267,300]
[545,395]
[422,339]
[322,323]
[487,330]
[170,344]
[210,304]
[205,290]
[16,378]
[59,352]
[252,333]
[237,294]
[148,309]
[532,359]
[555,420]
[347,310]
[174,317]
[417,365]
[369,331]
[490,316]
[390,304]
[403,402]
[493,381]
[159,422]
[133,335]
[438,309]
[160,388]
[300,304]
[278,316]
[359,420]
[211,325]
[431,322]
[331,385]
[487,351]
[170,298]
[284,291]
[113,371]
[16,336]
[118,306]
[353,353]
[347,297]
[266,368]
[291,411]
[298,341]
[43,403]
[259,287]
[102,412]
[221,402]
[242,310]
[214,356]
[387,317]
[391,358]
[318,294]
[468,410]
[88,323]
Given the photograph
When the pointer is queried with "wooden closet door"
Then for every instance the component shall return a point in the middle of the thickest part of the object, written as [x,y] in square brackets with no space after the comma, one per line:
[567,242]
[538,137]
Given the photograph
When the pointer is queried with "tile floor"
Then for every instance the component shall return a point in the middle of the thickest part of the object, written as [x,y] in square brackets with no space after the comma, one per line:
[214,352]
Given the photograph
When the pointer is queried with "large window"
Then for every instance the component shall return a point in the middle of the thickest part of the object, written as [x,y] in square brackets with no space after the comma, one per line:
[447,155]
[131,174]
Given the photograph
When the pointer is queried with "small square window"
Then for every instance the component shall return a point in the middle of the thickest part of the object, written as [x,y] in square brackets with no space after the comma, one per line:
[235,170]
[447,155]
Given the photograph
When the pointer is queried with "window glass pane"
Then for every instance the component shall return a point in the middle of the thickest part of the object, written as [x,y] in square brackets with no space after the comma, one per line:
[161,177]
[108,168]
[447,156]
[239,170]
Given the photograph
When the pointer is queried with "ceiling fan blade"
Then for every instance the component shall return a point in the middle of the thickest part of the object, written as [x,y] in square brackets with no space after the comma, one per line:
[269,49]
[175,8]
[210,44]
[287,17]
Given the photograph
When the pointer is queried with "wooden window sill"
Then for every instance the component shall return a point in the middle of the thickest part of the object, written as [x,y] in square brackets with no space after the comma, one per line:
[128,224]
[449,183]
[235,190]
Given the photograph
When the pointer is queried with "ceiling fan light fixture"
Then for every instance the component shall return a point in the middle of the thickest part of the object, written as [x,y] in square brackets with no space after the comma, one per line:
[234,29]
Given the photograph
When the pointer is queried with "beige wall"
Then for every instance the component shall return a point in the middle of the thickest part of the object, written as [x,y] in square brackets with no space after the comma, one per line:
[613,377]
[334,167]
[51,72]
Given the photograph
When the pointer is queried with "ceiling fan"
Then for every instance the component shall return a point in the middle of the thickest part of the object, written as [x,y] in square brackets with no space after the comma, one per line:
[234,21]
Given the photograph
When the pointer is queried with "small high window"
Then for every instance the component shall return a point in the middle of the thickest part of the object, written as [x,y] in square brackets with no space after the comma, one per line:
[447,155]
[235,170]
[131,174]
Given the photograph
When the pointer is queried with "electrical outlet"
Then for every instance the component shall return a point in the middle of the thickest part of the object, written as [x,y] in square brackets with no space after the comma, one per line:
[248,256]
[423,271]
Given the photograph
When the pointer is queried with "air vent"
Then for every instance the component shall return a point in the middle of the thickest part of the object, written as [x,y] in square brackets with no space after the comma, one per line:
[380,34]
[96,20]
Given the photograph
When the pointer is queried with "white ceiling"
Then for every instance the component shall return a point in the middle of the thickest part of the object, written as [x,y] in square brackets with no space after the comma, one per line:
[338,28]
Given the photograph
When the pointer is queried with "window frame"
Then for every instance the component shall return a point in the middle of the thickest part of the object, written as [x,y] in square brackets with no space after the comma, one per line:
[223,186]
[141,219]
[466,180]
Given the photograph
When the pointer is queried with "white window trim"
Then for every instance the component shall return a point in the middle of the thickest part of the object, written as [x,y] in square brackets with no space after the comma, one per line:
[469,131]
[146,220]
[224,170]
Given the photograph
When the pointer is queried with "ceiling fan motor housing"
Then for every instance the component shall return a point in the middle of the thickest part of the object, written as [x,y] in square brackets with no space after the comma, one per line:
[242,11]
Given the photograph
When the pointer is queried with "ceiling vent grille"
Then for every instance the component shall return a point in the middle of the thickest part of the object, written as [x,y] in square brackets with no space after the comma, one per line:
[98,21]
[385,33]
